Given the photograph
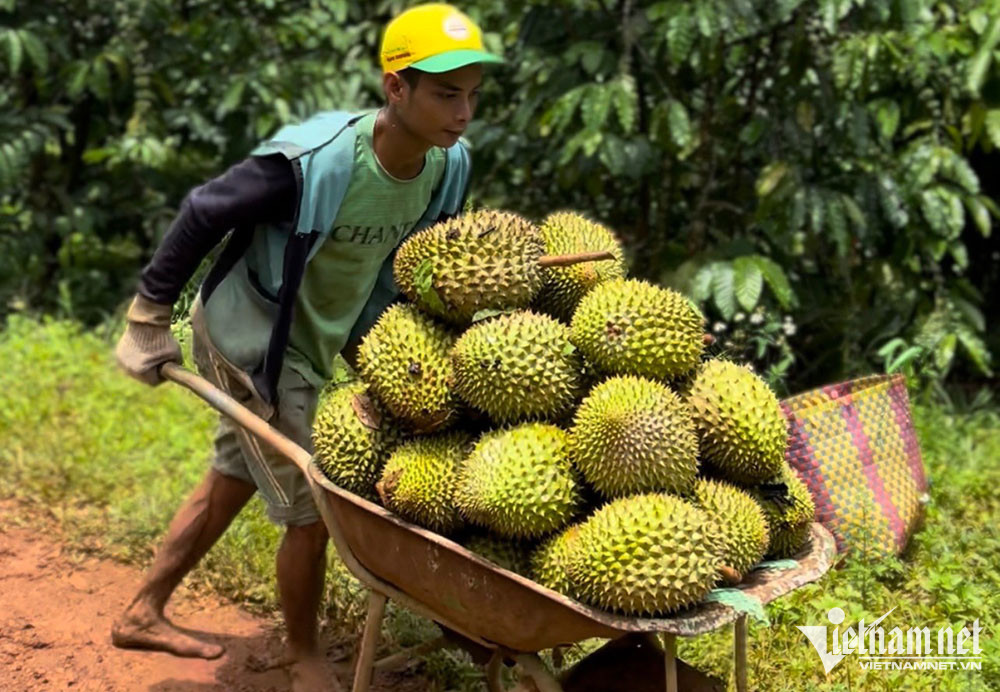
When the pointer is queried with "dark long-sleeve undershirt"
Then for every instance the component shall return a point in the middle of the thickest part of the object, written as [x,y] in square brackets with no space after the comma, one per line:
[256,190]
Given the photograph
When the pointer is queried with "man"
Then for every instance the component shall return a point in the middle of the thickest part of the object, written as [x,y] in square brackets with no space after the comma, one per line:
[316,215]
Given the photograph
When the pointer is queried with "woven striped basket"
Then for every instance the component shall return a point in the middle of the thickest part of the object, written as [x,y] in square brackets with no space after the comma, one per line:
[854,445]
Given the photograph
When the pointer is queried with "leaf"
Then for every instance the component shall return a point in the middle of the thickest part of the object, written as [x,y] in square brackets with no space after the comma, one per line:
[891,347]
[776,280]
[992,123]
[979,213]
[749,282]
[591,60]
[100,80]
[816,209]
[770,177]
[231,99]
[972,314]
[903,359]
[625,103]
[837,224]
[612,155]
[892,204]
[561,112]
[887,117]
[681,35]
[701,284]
[805,115]
[35,49]
[596,106]
[487,313]
[723,290]
[423,284]
[680,124]
[78,80]
[944,352]
[959,253]
[591,142]
[935,210]
[14,50]
[854,212]
[980,62]
[976,348]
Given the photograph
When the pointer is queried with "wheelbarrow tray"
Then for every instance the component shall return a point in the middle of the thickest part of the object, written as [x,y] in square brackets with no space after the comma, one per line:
[442,580]
[501,607]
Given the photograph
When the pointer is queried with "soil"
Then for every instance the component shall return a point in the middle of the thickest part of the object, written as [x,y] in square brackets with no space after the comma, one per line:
[56,610]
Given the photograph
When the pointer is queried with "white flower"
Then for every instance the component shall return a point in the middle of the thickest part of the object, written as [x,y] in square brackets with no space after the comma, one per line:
[788,328]
[739,317]
[719,327]
[757,318]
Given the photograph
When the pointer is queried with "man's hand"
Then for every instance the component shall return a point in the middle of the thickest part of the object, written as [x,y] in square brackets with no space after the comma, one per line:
[147,342]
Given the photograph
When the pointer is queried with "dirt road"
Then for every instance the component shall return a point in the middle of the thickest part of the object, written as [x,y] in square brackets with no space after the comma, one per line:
[56,610]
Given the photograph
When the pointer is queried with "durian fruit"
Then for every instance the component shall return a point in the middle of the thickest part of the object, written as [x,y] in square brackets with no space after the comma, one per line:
[646,555]
[549,561]
[405,358]
[518,366]
[789,508]
[418,481]
[742,430]
[352,437]
[481,260]
[510,554]
[631,327]
[567,233]
[740,520]
[633,435]
[519,482]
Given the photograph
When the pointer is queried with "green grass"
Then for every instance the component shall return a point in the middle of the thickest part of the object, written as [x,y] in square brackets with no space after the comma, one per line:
[112,459]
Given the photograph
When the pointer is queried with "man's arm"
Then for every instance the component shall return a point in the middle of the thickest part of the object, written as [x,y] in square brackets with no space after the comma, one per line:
[257,190]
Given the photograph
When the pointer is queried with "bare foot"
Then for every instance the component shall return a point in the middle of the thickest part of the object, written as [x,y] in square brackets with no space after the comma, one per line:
[156,633]
[313,675]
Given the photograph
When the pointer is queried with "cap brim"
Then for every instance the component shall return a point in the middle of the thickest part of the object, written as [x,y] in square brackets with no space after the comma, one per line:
[454,59]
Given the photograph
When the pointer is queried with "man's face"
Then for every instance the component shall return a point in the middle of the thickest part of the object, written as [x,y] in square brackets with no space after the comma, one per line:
[441,106]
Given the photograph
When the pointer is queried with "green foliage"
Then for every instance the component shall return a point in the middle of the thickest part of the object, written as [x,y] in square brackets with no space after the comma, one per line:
[814,153]
[827,138]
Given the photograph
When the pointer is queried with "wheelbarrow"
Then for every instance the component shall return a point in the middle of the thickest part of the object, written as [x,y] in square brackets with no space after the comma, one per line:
[504,613]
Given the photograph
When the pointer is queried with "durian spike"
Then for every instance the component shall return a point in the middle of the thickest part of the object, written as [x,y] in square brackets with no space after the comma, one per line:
[730,575]
[576,258]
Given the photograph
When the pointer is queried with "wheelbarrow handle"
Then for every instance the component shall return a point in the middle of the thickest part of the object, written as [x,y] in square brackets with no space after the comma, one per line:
[244,417]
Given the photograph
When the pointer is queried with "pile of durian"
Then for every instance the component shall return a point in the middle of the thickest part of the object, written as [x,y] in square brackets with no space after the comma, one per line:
[562,420]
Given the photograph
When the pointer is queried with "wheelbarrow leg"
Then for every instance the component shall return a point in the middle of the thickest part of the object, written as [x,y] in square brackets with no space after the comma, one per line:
[369,641]
[670,660]
[740,644]
[539,674]
[494,683]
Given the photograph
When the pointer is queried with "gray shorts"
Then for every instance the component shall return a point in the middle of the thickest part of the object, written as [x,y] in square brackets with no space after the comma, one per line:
[239,454]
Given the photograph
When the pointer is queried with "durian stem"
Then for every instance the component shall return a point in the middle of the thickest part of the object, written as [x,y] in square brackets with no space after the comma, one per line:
[730,575]
[380,489]
[576,258]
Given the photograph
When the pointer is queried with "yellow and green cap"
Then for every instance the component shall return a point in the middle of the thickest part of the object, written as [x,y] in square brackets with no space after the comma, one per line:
[434,38]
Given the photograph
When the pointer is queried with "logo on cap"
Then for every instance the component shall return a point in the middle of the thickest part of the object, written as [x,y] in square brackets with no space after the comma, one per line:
[456,28]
